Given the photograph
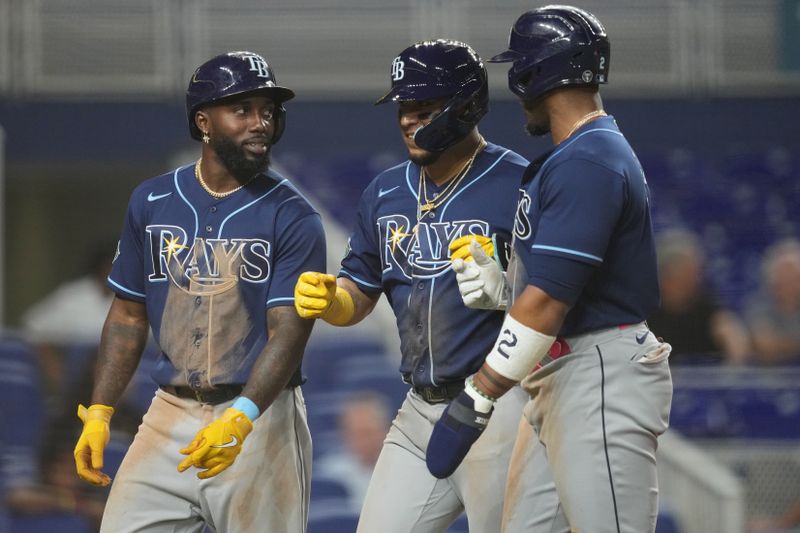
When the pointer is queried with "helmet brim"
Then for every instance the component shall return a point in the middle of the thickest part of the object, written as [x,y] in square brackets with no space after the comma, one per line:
[278,94]
[506,57]
[388,97]
[400,93]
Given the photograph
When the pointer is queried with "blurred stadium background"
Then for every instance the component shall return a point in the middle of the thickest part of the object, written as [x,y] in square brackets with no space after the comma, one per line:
[707,91]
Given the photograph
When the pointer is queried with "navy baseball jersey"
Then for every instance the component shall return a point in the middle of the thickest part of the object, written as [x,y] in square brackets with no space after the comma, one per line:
[208,269]
[583,231]
[403,252]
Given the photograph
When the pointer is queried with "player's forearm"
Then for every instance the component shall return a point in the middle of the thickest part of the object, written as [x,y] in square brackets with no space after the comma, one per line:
[490,382]
[538,310]
[535,319]
[288,334]
[121,345]
[363,304]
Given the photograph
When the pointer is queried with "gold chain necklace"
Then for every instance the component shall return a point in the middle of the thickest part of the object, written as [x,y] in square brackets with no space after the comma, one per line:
[586,118]
[422,189]
[199,175]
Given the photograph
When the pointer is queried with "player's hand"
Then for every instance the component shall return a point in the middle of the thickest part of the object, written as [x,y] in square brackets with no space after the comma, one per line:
[314,293]
[94,437]
[460,425]
[216,446]
[460,249]
[481,282]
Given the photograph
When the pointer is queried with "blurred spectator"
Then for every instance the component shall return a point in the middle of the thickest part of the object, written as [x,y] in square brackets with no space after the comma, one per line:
[75,311]
[690,318]
[363,424]
[57,496]
[773,314]
[22,414]
[33,464]
[787,522]
[73,314]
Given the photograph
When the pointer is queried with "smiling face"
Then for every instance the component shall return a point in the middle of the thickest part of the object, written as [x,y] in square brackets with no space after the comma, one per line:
[241,131]
[412,116]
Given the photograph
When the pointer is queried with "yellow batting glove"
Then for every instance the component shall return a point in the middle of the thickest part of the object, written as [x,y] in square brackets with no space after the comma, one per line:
[459,248]
[316,295]
[313,294]
[94,437]
[217,445]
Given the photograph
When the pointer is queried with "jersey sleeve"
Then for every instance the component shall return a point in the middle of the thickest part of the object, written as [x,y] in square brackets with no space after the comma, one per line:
[300,247]
[580,203]
[362,261]
[127,270]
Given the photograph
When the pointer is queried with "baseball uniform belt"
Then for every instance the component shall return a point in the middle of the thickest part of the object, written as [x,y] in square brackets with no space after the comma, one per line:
[219,394]
[442,393]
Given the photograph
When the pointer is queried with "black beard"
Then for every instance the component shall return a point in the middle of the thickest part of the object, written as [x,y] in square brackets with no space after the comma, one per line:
[537,130]
[537,121]
[236,161]
[428,158]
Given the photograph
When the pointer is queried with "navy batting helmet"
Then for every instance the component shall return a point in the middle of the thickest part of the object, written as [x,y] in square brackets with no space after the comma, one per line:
[555,46]
[436,69]
[235,73]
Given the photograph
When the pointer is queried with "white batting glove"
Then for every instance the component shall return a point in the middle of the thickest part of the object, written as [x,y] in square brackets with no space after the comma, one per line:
[481,282]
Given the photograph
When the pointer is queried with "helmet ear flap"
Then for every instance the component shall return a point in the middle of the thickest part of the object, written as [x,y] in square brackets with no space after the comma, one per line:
[280,123]
[435,136]
[458,117]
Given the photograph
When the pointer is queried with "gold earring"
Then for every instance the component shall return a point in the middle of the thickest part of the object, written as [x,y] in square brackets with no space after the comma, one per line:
[206,138]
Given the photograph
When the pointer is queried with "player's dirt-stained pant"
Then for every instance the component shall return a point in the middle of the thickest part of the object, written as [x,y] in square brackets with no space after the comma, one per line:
[584,460]
[403,497]
[266,488]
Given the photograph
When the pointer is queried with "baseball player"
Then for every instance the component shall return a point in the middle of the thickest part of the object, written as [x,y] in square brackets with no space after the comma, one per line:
[209,255]
[583,279]
[454,187]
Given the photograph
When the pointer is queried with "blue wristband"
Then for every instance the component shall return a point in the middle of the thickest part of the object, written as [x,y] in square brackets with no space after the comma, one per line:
[246,405]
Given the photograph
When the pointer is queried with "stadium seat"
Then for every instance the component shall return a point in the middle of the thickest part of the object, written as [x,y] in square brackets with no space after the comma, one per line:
[322,364]
[51,522]
[667,523]
[21,405]
[78,360]
[744,402]
[327,489]
[114,452]
[360,376]
[459,526]
[335,523]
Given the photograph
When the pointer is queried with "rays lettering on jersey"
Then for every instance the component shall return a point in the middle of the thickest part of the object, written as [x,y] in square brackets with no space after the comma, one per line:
[208,266]
[422,250]
[522,223]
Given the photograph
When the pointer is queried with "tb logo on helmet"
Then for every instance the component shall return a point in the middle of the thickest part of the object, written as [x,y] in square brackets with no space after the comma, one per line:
[257,64]
[397,69]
